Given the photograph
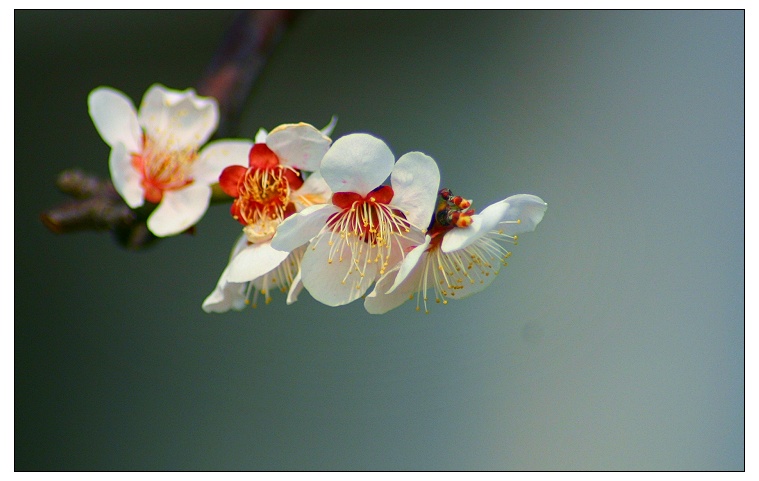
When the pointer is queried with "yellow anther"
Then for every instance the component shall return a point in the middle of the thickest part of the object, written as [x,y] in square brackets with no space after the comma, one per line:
[464,221]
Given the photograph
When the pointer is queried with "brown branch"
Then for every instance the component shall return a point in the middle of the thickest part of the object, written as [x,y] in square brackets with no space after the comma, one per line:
[229,78]
[239,60]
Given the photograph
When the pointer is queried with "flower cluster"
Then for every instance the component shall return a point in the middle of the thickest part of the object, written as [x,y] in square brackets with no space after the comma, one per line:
[314,213]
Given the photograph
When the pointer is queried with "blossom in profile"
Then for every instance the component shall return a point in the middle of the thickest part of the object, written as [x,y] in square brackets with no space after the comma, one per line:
[367,226]
[269,276]
[462,252]
[156,153]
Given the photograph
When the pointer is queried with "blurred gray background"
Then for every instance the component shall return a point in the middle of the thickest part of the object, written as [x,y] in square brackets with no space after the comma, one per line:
[614,340]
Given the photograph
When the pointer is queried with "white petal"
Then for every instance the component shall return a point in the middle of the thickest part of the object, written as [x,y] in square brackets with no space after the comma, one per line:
[295,289]
[218,155]
[528,209]
[226,295]
[300,228]
[382,300]
[410,262]
[179,210]
[178,120]
[461,237]
[357,163]
[327,130]
[126,179]
[261,136]
[301,146]
[330,283]
[313,191]
[254,261]
[115,118]
[240,244]
[415,181]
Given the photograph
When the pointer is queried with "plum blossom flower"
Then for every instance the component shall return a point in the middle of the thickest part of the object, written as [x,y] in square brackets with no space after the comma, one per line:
[262,189]
[155,153]
[267,191]
[461,254]
[367,226]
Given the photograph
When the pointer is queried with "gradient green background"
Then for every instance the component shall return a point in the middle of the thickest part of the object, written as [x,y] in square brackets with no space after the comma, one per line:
[613,341]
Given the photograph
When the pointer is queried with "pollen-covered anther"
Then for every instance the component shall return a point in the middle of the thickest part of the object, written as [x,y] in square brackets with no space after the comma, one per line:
[263,201]
[461,219]
[368,226]
[461,202]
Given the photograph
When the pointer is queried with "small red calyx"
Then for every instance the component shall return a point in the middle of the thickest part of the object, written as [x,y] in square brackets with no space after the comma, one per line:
[345,200]
[369,218]
[261,190]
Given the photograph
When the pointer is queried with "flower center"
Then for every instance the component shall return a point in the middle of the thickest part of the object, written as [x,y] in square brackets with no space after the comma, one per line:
[452,272]
[162,169]
[263,201]
[452,211]
[368,226]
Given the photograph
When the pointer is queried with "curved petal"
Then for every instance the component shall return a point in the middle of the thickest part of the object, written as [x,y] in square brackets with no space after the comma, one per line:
[357,163]
[300,228]
[254,261]
[261,136]
[295,288]
[300,146]
[416,180]
[115,118]
[218,155]
[178,120]
[126,179]
[528,209]
[482,223]
[179,210]
[409,263]
[226,295]
[240,244]
[313,191]
[336,283]
[383,299]
[327,130]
